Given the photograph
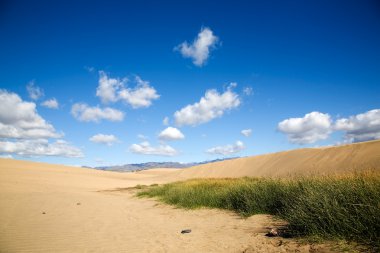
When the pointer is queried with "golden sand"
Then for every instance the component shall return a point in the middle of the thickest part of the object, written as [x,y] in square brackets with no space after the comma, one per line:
[54,208]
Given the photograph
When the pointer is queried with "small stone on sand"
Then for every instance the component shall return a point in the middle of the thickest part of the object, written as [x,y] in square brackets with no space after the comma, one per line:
[272,233]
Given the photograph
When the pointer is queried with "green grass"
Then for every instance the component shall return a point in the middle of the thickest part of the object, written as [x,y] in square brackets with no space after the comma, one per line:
[331,207]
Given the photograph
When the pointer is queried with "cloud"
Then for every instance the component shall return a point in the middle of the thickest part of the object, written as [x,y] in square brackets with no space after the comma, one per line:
[232,85]
[145,148]
[227,150]
[171,134]
[83,112]
[140,96]
[311,128]
[142,137]
[19,119]
[212,105]
[360,127]
[34,91]
[248,91]
[114,89]
[246,132]
[165,121]
[89,69]
[51,103]
[6,156]
[24,132]
[108,88]
[40,147]
[104,139]
[199,50]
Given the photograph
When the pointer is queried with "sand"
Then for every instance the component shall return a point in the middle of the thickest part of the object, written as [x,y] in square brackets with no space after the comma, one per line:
[308,161]
[53,208]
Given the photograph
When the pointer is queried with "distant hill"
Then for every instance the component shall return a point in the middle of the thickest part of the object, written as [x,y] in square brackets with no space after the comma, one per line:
[155,165]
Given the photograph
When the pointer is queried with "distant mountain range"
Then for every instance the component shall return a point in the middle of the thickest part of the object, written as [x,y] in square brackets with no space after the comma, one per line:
[153,165]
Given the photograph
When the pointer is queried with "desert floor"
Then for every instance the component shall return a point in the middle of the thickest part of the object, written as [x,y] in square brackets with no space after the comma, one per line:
[52,208]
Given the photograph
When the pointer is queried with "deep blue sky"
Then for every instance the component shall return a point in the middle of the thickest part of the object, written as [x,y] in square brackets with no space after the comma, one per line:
[297,56]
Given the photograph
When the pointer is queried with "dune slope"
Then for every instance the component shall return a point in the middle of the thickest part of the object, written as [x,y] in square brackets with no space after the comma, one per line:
[52,208]
[339,159]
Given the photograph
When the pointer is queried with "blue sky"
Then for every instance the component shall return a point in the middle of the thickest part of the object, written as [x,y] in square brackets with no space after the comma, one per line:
[291,73]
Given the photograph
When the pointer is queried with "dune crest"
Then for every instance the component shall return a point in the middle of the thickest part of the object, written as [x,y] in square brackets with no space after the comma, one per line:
[336,159]
[55,208]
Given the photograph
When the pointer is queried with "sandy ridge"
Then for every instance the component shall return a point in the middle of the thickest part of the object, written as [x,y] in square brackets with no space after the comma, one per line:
[55,208]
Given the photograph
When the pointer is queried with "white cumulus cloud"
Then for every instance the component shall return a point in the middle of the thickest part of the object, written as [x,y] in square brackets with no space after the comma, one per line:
[84,112]
[51,103]
[311,128]
[212,105]
[108,88]
[360,127]
[165,121]
[140,96]
[199,50]
[19,119]
[246,132]
[34,91]
[171,134]
[107,139]
[24,132]
[114,89]
[145,148]
[40,147]
[227,150]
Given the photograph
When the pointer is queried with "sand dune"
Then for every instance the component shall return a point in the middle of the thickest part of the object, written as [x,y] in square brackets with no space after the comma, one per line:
[339,159]
[53,208]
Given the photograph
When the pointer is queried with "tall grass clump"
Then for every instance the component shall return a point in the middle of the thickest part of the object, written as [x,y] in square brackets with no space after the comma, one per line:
[341,207]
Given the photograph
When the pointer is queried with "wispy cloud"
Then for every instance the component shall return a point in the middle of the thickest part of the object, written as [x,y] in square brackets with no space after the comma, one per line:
[246,132]
[40,147]
[89,69]
[145,148]
[83,112]
[227,149]
[34,91]
[8,156]
[107,139]
[51,103]
[199,50]
[248,91]
[142,137]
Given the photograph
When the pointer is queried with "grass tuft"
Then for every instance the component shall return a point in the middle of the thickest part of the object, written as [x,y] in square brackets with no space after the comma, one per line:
[330,207]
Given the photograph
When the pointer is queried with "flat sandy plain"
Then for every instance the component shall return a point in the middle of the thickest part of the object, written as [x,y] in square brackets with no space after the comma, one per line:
[54,208]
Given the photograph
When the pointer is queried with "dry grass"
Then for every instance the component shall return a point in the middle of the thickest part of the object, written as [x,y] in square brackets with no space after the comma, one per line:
[341,207]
